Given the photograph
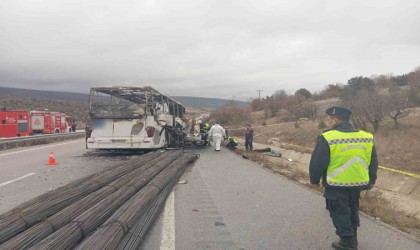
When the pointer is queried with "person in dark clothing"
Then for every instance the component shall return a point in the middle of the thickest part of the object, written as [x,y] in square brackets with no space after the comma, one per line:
[249,137]
[73,127]
[346,160]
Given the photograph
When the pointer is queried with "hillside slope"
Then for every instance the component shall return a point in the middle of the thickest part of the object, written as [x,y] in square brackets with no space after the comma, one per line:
[191,102]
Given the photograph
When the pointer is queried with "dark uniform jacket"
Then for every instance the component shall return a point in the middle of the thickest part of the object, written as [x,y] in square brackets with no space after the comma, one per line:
[249,134]
[320,159]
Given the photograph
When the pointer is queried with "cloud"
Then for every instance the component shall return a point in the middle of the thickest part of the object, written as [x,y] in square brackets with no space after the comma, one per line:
[204,48]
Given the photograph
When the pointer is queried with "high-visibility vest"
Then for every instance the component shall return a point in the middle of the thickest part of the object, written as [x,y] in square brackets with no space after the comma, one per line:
[350,155]
[231,139]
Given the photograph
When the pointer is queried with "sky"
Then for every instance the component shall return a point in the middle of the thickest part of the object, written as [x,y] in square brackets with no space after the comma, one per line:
[230,49]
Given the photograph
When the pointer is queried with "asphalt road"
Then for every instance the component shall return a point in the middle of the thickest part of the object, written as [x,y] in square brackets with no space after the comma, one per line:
[25,175]
[232,203]
[226,203]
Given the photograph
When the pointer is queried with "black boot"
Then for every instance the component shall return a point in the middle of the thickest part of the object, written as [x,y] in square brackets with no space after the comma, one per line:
[345,243]
[355,235]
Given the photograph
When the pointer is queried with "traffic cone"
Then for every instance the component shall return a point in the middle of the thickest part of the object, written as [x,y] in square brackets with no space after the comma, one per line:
[52,161]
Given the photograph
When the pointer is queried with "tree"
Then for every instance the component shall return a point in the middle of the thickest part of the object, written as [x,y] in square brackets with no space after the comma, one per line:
[272,106]
[383,81]
[368,106]
[303,92]
[330,91]
[300,107]
[257,105]
[280,94]
[401,80]
[356,84]
[399,105]
[230,114]
[414,83]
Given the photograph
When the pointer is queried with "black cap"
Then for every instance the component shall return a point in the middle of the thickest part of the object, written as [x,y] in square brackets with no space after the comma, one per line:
[339,111]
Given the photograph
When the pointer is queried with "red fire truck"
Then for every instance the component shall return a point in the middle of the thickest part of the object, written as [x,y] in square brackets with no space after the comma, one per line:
[46,122]
[21,123]
[14,123]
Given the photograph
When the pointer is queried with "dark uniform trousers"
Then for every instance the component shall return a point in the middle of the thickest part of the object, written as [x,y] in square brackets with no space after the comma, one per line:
[343,205]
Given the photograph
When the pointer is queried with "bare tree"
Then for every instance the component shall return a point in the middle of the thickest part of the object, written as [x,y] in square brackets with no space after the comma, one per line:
[399,105]
[369,106]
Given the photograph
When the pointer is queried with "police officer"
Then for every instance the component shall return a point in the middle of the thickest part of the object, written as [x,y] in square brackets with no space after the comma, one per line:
[346,159]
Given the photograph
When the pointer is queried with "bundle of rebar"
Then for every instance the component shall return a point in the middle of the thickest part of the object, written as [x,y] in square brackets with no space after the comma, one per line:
[109,235]
[109,202]
[43,229]
[39,208]
[133,239]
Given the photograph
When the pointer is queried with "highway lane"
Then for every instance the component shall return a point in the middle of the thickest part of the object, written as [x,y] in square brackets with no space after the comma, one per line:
[232,203]
[25,175]
[226,203]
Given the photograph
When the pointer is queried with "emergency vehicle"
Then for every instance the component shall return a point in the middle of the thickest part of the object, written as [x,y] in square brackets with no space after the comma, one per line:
[14,123]
[46,122]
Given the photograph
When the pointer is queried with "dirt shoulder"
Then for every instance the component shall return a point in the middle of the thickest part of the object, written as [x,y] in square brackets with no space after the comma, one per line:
[395,199]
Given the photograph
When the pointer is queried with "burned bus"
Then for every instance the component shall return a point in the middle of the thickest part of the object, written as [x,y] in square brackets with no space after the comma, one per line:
[133,118]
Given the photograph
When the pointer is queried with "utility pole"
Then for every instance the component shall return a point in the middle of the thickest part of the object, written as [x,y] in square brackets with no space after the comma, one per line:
[259,93]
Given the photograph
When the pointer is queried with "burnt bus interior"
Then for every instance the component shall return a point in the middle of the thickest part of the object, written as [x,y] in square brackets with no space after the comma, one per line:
[131,103]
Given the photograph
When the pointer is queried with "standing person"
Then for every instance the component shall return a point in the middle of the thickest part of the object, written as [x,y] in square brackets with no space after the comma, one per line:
[73,126]
[249,137]
[216,133]
[346,159]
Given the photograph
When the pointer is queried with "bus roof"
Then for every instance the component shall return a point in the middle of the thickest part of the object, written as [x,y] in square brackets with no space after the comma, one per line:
[131,92]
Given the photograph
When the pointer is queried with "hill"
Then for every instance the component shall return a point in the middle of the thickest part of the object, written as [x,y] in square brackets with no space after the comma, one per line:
[16,93]
[191,102]
[203,102]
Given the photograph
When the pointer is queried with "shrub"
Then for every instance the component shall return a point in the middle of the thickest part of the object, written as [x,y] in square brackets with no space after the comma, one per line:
[322,125]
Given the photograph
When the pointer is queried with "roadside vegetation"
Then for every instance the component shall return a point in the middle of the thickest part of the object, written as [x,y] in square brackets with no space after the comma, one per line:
[387,106]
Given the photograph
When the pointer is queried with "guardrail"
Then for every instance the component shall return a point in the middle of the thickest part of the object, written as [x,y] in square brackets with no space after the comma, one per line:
[26,141]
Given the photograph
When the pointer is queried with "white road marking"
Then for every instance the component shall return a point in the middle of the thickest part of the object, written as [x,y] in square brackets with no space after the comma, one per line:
[168,227]
[17,179]
[31,149]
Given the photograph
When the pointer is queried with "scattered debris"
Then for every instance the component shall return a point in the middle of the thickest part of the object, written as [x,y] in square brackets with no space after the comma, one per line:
[275,153]
[262,150]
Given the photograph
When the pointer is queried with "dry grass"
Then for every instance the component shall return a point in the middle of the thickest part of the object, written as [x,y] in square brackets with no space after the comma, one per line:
[277,165]
[304,134]
[374,204]
[397,148]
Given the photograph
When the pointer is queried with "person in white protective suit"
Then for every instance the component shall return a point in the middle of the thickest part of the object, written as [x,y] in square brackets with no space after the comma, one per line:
[217,133]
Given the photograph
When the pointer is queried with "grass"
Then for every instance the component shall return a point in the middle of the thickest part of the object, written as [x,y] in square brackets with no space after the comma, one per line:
[374,204]
[397,148]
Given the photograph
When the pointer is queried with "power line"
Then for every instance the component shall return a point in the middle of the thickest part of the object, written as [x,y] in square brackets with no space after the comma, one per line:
[259,93]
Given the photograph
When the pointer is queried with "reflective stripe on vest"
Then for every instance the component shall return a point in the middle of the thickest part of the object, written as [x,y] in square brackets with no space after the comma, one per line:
[350,155]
